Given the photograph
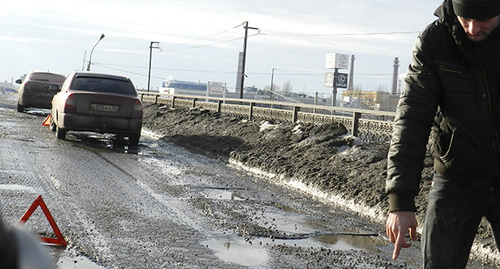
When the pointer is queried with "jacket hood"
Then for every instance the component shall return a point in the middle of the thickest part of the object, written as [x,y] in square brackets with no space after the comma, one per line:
[447,17]
[446,14]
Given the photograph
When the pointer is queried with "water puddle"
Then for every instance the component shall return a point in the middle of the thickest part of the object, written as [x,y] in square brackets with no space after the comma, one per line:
[38,111]
[223,194]
[351,241]
[238,252]
[292,227]
[330,241]
[255,252]
[98,142]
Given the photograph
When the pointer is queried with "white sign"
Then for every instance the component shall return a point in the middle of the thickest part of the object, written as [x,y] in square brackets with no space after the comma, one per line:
[216,87]
[340,81]
[337,61]
[329,79]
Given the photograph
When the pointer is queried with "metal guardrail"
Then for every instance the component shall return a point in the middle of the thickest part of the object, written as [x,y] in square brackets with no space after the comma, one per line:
[368,125]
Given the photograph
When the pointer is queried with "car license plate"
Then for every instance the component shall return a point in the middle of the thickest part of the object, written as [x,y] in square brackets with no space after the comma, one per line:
[104,108]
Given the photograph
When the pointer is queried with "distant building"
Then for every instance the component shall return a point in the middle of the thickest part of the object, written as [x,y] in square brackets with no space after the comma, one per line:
[252,89]
[376,100]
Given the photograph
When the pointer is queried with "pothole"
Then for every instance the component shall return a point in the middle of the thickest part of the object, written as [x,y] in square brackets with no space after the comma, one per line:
[255,252]
[239,252]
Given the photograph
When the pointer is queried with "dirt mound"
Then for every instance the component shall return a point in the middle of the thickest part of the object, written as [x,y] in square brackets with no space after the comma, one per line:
[324,156]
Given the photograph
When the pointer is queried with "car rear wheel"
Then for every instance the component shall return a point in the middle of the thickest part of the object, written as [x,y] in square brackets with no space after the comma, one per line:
[52,125]
[20,108]
[120,139]
[133,139]
[60,133]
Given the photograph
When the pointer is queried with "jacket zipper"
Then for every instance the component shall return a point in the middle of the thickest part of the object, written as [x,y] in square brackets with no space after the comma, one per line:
[453,71]
[490,108]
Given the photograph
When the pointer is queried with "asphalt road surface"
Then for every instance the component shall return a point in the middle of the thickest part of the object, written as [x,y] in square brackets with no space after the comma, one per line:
[160,206]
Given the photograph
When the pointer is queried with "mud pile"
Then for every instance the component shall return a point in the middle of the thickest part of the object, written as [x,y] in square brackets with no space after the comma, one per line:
[320,156]
[323,157]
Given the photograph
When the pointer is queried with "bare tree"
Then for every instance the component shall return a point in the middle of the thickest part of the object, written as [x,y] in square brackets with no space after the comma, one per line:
[276,88]
[382,88]
[287,87]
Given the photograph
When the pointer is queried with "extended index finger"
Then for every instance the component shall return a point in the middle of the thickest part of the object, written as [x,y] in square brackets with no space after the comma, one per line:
[397,246]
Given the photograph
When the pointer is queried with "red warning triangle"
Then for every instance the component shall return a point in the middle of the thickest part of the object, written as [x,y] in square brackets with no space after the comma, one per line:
[46,122]
[39,202]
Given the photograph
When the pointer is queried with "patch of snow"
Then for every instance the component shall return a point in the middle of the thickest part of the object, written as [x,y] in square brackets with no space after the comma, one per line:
[265,125]
[297,129]
[337,199]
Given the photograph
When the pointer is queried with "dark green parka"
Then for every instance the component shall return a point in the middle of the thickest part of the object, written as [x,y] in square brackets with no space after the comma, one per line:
[452,83]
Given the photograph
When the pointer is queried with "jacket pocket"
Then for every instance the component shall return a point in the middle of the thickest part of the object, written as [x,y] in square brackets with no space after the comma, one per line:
[460,151]
[459,100]
[456,78]
[444,147]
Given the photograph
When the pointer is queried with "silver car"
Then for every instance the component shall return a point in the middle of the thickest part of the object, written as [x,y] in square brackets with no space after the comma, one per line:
[34,90]
[97,102]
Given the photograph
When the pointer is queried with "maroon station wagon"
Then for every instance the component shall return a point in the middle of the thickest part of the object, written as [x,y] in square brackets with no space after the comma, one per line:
[97,102]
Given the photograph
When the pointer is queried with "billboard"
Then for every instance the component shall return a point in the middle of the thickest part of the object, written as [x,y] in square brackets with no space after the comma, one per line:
[216,87]
[337,61]
[340,80]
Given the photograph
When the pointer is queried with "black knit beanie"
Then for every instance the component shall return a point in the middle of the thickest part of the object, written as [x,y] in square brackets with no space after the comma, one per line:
[476,9]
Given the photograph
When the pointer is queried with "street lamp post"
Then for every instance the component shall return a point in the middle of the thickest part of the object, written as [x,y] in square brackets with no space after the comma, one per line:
[151,58]
[90,58]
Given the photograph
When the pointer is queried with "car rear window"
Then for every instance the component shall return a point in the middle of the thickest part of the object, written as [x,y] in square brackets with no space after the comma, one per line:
[106,85]
[47,77]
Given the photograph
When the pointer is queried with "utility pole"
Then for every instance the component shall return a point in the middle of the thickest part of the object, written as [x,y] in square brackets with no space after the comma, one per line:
[150,58]
[243,62]
[334,90]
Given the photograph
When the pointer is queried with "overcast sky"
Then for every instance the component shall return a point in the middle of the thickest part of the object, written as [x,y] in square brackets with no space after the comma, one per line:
[200,39]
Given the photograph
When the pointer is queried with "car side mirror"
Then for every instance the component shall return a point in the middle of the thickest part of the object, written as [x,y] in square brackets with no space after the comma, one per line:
[54,88]
[19,81]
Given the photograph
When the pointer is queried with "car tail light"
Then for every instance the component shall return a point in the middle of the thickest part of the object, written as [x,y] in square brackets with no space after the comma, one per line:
[137,113]
[70,105]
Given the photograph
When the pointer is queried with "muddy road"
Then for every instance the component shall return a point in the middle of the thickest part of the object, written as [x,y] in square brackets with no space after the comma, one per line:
[161,206]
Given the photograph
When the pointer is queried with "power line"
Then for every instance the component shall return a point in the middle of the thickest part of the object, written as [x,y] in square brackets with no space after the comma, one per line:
[212,43]
[344,34]
[195,40]
[320,73]
[107,65]
[207,37]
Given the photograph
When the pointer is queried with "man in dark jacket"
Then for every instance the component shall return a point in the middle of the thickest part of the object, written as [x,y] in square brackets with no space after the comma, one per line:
[453,86]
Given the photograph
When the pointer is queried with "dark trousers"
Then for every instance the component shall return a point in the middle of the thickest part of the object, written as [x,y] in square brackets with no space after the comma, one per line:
[457,203]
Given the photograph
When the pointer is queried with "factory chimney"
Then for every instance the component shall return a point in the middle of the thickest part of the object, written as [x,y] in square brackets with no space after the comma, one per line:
[395,77]
[351,74]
